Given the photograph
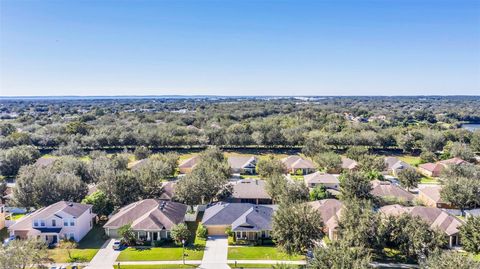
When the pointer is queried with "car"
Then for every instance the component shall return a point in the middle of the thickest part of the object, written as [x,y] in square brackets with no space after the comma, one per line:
[117,245]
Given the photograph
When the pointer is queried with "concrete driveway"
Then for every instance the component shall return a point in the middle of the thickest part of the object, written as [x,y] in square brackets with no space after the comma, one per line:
[105,257]
[215,254]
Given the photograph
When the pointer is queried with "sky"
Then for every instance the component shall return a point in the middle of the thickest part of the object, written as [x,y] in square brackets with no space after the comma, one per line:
[233,47]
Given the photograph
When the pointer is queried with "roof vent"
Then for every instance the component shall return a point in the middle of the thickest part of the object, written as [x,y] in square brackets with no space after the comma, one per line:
[70,204]
[162,205]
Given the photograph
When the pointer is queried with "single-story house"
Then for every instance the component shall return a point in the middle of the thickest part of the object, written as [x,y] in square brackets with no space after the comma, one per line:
[242,164]
[295,164]
[250,191]
[393,165]
[435,169]
[246,221]
[45,161]
[62,220]
[430,196]
[386,190]
[168,191]
[329,210]
[348,164]
[187,165]
[150,219]
[319,178]
[435,217]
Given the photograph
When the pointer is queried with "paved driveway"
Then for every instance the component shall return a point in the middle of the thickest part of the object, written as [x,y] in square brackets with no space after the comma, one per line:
[105,257]
[215,255]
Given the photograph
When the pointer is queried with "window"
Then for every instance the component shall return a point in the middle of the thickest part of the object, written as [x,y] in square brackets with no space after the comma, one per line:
[72,236]
[42,223]
[35,223]
[65,222]
[72,222]
[54,222]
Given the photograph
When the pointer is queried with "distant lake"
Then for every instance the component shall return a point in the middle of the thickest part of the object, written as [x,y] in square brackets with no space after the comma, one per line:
[471,126]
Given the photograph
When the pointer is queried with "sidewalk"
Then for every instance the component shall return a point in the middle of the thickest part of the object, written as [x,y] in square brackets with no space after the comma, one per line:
[105,258]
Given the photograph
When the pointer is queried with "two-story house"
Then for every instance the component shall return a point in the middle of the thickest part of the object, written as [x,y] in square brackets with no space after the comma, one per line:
[62,220]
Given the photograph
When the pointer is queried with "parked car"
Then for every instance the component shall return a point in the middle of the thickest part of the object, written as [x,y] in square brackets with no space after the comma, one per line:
[117,245]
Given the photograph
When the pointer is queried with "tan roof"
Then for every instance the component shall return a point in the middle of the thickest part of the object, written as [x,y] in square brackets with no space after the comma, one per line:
[435,217]
[432,167]
[238,162]
[452,161]
[432,192]
[387,189]
[149,214]
[297,162]
[348,163]
[137,164]
[321,178]
[45,161]
[72,209]
[168,190]
[330,210]
[250,189]
[190,162]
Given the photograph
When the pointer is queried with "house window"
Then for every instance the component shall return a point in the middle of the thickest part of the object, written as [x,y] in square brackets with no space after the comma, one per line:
[72,236]
[35,223]
[72,222]
[65,222]
[54,222]
[42,223]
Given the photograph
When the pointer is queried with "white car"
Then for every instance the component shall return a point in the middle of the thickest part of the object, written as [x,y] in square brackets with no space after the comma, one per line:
[117,245]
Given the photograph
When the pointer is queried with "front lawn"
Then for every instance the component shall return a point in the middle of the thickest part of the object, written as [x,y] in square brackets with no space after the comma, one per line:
[166,253]
[429,180]
[260,253]
[257,265]
[155,266]
[411,160]
[86,250]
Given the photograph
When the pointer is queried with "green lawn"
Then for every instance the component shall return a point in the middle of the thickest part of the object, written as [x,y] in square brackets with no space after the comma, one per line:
[477,257]
[429,180]
[260,253]
[17,216]
[156,266]
[411,160]
[86,250]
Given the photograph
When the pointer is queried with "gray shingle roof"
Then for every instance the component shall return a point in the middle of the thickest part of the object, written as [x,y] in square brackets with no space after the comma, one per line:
[320,177]
[240,216]
[239,162]
[250,189]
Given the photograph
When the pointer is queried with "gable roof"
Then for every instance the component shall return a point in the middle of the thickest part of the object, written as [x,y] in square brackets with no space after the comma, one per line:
[238,162]
[149,214]
[321,178]
[168,190]
[190,162]
[348,163]
[137,164]
[455,160]
[330,210]
[250,189]
[435,217]
[73,209]
[432,192]
[387,189]
[45,161]
[297,162]
[236,214]
[431,167]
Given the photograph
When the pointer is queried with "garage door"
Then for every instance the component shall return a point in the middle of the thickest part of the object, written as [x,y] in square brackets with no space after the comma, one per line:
[216,230]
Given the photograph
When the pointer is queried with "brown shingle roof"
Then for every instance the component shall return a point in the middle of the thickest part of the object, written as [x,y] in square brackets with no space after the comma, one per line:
[238,162]
[297,162]
[432,192]
[387,189]
[45,161]
[190,162]
[330,210]
[348,163]
[321,178]
[149,214]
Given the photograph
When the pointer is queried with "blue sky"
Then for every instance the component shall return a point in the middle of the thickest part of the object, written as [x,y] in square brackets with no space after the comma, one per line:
[230,47]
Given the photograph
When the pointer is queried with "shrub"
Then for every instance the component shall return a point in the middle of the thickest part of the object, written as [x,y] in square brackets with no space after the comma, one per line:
[202,231]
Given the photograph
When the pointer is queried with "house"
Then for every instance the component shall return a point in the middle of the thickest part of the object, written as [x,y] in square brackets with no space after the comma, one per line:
[150,219]
[250,191]
[62,220]
[430,196]
[329,210]
[393,165]
[168,191]
[187,165]
[435,217]
[242,164]
[387,190]
[319,178]
[45,161]
[296,164]
[435,169]
[246,221]
[348,164]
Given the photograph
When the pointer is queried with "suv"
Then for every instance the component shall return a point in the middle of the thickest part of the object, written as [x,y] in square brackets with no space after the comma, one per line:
[117,245]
